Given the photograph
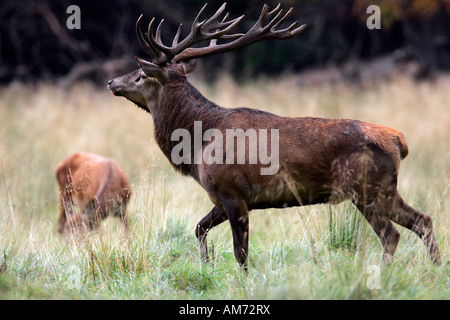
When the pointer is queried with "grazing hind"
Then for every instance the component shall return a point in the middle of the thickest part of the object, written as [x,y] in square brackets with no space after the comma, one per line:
[98,185]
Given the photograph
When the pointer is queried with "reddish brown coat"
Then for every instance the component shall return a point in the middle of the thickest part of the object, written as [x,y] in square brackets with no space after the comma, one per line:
[97,185]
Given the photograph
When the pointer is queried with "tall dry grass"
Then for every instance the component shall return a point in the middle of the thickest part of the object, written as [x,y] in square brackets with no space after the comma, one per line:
[312,252]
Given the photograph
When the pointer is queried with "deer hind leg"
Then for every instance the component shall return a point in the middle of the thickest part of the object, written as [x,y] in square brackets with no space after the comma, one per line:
[215,217]
[377,183]
[92,215]
[384,229]
[124,220]
[65,211]
[417,222]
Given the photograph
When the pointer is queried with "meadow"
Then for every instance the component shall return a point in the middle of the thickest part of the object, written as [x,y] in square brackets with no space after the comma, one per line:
[314,252]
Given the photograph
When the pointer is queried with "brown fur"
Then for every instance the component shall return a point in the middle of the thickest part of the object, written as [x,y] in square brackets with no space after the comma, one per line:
[97,185]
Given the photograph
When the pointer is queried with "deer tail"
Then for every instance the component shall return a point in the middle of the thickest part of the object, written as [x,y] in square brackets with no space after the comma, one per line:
[388,139]
[402,145]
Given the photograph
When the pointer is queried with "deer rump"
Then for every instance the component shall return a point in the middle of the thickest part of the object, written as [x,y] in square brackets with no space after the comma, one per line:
[98,186]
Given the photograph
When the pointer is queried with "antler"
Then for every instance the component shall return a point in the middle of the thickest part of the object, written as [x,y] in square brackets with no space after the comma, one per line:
[213,29]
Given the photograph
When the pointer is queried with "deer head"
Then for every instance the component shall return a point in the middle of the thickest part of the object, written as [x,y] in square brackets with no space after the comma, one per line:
[144,86]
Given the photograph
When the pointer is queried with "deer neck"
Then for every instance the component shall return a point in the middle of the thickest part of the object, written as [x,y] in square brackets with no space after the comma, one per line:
[180,105]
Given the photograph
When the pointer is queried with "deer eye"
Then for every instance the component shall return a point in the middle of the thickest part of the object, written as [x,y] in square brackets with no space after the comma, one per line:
[137,79]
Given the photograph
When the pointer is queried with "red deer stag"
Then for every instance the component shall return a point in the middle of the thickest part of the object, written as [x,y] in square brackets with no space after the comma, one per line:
[99,187]
[320,160]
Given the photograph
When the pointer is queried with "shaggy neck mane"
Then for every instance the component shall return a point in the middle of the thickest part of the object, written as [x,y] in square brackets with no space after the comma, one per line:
[180,105]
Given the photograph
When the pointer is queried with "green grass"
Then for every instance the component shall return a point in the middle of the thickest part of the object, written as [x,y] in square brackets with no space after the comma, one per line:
[317,252]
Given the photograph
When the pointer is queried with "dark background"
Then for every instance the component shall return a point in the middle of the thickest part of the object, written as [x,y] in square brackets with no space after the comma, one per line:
[35,43]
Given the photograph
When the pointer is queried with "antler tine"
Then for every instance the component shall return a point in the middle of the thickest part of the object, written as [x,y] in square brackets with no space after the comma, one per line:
[219,12]
[268,14]
[290,31]
[144,44]
[149,34]
[213,41]
[232,36]
[195,23]
[274,20]
[274,10]
[213,27]
[228,26]
[158,32]
[177,35]
[226,17]
[229,36]
[263,16]
[281,21]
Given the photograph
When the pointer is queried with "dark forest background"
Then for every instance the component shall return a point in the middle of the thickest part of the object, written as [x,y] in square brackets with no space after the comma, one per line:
[35,43]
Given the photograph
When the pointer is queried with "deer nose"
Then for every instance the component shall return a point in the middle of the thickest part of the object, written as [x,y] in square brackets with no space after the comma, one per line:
[110,81]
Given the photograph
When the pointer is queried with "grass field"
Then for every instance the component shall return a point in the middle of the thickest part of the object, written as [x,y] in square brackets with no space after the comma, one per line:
[316,252]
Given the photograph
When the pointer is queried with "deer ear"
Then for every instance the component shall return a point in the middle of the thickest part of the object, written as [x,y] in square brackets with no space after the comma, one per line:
[153,71]
[189,65]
